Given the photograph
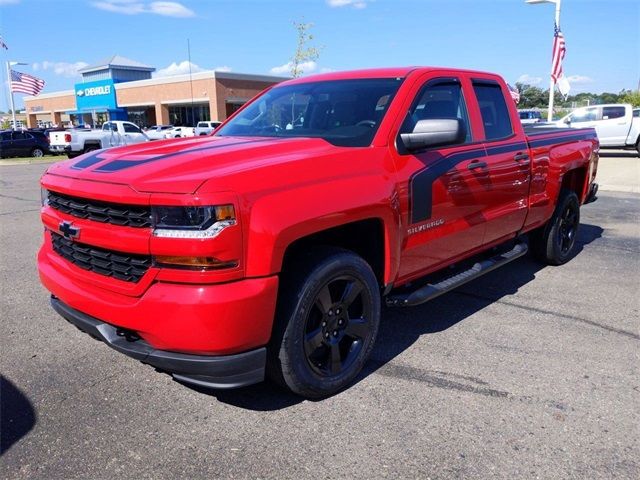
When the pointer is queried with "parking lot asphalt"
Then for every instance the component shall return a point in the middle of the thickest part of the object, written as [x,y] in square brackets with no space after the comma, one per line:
[529,372]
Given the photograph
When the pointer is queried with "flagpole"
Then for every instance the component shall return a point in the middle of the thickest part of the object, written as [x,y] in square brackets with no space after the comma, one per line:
[13,106]
[552,84]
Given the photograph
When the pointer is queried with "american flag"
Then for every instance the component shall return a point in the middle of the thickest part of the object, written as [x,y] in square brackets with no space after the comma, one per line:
[24,83]
[559,51]
[515,94]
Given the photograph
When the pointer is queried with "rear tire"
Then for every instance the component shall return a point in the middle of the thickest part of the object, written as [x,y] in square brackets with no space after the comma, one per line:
[326,324]
[554,243]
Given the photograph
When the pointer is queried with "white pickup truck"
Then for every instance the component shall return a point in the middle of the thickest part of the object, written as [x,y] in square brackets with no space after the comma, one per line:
[113,134]
[617,125]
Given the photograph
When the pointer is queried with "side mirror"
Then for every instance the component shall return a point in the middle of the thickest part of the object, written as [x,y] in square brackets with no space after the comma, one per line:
[436,132]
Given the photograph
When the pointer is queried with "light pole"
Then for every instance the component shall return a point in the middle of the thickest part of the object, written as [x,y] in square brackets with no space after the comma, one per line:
[551,82]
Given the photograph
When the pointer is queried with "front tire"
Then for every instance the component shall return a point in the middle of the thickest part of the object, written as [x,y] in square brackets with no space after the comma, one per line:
[326,323]
[37,153]
[554,243]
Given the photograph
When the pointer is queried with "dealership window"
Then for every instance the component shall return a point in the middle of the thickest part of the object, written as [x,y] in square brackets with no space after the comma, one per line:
[187,115]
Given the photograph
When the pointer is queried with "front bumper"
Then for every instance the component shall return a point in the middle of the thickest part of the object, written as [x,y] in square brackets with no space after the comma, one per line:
[227,371]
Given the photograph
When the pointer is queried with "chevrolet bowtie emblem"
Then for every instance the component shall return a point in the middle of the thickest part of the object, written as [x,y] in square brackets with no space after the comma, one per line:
[68,231]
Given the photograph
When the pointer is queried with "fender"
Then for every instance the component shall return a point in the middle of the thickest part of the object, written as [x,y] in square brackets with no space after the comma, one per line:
[279,219]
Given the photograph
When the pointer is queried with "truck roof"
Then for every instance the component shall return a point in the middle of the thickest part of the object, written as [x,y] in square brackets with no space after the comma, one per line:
[377,73]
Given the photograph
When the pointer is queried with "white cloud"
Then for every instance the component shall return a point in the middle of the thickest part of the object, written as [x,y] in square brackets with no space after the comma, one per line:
[528,79]
[359,4]
[579,79]
[306,67]
[181,68]
[64,69]
[223,68]
[135,7]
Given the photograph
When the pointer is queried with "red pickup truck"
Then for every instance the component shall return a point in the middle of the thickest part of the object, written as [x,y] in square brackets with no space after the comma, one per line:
[268,247]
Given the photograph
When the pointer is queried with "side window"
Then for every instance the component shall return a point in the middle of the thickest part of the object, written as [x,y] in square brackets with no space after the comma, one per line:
[609,113]
[438,100]
[130,128]
[586,115]
[494,111]
[5,136]
[19,136]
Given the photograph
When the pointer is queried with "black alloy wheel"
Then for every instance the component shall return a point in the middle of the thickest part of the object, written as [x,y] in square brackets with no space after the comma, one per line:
[554,243]
[326,322]
[337,326]
[567,229]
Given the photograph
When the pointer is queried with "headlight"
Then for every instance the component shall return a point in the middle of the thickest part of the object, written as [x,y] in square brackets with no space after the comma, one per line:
[192,222]
[44,197]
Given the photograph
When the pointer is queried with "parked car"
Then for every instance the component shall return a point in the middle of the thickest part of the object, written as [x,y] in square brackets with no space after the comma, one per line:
[528,117]
[617,125]
[78,141]
[205,128]
[19,143]
[158,132]
[267,249]
[180,132]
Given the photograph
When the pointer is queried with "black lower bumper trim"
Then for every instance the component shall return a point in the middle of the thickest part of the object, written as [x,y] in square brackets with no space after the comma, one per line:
[227,371]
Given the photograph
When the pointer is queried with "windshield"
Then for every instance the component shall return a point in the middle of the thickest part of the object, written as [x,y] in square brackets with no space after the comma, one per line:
[342,112]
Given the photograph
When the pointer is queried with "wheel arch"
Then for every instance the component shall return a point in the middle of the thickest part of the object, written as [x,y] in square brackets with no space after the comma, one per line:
[365,238]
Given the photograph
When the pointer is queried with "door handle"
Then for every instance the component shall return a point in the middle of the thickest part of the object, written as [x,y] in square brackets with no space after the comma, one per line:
[521,156]
[477,164]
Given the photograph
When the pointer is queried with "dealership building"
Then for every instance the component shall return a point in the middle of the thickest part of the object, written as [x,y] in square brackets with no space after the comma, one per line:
[123,89]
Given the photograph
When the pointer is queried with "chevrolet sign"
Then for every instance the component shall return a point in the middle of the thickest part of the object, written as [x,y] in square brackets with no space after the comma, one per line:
[93,91]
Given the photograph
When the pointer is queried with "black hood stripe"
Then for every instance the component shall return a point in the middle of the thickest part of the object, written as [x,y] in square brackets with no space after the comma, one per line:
[117,165]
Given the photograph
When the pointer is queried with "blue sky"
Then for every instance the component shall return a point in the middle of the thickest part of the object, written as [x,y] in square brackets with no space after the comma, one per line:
[503,36]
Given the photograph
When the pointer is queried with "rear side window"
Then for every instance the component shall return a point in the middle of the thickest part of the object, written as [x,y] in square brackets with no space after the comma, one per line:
[202,124]
[612,112]
[443,99]
[494,111]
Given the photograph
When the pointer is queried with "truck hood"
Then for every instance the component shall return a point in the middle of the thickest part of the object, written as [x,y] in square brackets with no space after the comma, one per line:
[181,166]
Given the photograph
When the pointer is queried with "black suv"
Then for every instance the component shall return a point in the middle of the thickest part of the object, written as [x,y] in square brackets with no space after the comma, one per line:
[16,143]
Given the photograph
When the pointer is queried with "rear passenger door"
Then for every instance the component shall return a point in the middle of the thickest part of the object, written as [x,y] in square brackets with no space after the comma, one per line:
[22,143]
[506,178]
[614,126]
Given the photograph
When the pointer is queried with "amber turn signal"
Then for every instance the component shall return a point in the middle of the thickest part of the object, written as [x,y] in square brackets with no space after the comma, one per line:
[194,263]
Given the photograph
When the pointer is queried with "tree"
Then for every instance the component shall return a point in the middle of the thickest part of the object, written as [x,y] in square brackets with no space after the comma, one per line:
[304,53]
[628,96]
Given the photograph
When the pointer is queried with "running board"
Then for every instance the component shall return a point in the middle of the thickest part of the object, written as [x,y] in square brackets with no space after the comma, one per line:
[433,290]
